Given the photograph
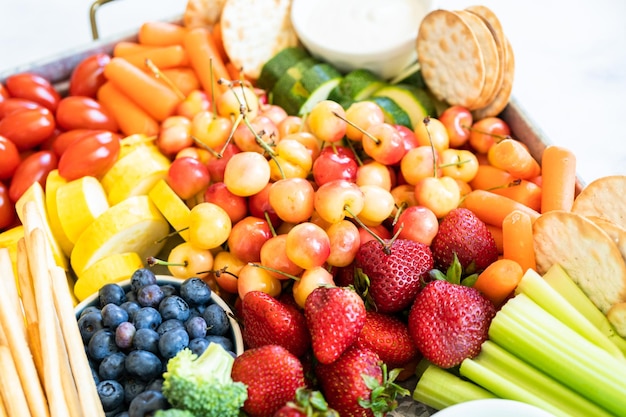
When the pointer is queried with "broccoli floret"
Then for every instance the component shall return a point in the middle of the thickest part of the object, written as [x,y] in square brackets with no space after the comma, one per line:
[202,384]
[173,412]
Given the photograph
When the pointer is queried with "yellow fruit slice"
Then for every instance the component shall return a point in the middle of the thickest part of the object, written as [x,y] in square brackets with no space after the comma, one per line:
[133,225]
[39,218]
[8,240]
[53,182]
[135,173]
[112,268]
[171,206]
[79,203]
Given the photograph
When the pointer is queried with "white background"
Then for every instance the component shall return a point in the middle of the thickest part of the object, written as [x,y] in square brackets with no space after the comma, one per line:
[570,59]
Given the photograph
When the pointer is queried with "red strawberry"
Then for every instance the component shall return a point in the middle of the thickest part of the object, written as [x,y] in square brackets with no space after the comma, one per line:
[352,383]
[272,375]
[267,320]
[463,233]
[389,337]
[335,317]
[308,403]
[449,322]
[395,271]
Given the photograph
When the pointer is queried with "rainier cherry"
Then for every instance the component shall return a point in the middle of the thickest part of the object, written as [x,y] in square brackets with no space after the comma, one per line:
[307,245]
[322,122]
[187,177]
[457,120]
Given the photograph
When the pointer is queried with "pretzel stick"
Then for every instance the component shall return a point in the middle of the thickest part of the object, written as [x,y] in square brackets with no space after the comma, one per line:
[13,396]
[9,282]
[3,408]
[37,256]
[85,384]
[70,391]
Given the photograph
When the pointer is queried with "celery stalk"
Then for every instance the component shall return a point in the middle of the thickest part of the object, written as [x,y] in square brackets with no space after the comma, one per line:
[438,388]
[535,287]
[560,281]
[510,377]
[526,330]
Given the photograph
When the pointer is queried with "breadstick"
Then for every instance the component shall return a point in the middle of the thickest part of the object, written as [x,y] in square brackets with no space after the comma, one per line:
[3,409]
[70,392]
[83,378]
[13,397]
[9,283]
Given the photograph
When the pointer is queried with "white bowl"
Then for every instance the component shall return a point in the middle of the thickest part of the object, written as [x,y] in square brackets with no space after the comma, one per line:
[235,332]
[495,407]
[329,29]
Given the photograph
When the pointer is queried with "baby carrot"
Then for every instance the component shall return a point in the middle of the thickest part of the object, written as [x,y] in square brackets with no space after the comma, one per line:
[489,177]
[499,181]
[124,48]
[499,280]
[162,56]
[130,117]
[218,41]
[513,157]
[152,95]
[496,232]
[205,60]
[184,79]
[526,192]
[492,208]
[558,179]
[161,34]
[517,240]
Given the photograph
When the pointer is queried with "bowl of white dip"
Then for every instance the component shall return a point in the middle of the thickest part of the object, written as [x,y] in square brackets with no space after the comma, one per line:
[378,35]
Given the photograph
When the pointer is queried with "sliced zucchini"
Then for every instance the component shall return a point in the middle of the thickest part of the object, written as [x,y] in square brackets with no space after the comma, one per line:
[318,81]
[394,114]
[357,85]
[287,92]
[278,65]
[414,101]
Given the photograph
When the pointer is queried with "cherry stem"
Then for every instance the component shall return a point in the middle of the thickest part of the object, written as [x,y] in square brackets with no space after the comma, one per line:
[499,137]
[399,211]
[356,154]
[278,271]
[219,272]
[159,74]
[205,146]
[360,129]
[269,223]
[432,146]
[386,244]
[513,183]
[175,232]
[152,261]
[458,163]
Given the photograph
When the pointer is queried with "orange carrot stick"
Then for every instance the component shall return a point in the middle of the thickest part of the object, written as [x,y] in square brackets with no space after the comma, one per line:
[496,232]
[163,57]
[152,95]
[517,240]
[183,78]
[499,181]
[130,117]
[218,41]
[489,177]
[513,157]
[499,280]
[161,34]
[492,208]
[558,179]
[525,192]
[124,48]
[205,60]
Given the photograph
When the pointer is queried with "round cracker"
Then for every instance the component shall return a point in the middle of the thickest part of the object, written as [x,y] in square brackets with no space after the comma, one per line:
[586,253]
[202,13]
[604,197]
[615,232]
[253,31]
[450,58]
[489,52]
[504,95]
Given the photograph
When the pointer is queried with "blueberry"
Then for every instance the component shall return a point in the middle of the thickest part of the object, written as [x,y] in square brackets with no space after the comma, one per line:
[196,311]
[140,278]
[198,345]
[124,334]
[168,325]
[132,388]
[111,293]
[169,289]
[196,327]
[172,342]
[112,367]
[111,394]
[150,295]
[174,307]
[89,323]
[131,296]
[89,309]
[226,343]
[216,320]
[155,385]
[145,403]
[146,339]
[131,308]
[94,373]
[122,414]
[102,344]
[143,365]
[147,318]
[113,315]
[195,292]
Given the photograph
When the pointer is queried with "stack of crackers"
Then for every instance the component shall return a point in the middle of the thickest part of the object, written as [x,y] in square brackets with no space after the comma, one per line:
[466,59]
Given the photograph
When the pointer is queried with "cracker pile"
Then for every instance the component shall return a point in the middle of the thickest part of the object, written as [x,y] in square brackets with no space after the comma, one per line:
[466,59]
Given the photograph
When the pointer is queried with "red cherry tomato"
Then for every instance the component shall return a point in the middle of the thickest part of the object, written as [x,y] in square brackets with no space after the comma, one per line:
[88,75]
[34,168]
[10,157]
[65,139]
[4,93]
[28,128]
[79,112]
[7,208]
[92,155]
[33,87]
[14,105]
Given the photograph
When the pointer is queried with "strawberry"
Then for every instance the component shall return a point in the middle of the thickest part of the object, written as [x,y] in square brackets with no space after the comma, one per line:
[335,317]
[357,384]
[449,322]
[395,270]
[272,375]
[308,403]
[267,320]
[389,337]
[462,233]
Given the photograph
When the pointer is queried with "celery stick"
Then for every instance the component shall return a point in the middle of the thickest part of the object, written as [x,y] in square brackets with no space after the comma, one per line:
[535,336]
[535,287]
[525,383]
[558,279]
[438,388]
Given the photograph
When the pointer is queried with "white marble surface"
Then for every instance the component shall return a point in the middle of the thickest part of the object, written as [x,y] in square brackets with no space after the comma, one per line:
[570,59]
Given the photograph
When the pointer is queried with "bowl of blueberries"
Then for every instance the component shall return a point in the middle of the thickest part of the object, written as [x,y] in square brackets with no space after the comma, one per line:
[130,330]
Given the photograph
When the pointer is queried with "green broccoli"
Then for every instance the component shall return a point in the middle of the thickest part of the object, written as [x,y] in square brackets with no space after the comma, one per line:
[202,384]
[173,412]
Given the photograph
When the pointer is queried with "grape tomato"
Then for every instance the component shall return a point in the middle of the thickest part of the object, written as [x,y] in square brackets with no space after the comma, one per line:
[28,128]
[88,75]
[92,155]
[14,105]
[34,168]
[7,208]
[10,157]
[79,112]
[33,87]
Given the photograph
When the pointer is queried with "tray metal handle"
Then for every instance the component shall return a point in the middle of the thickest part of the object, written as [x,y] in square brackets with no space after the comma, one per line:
[92,16]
